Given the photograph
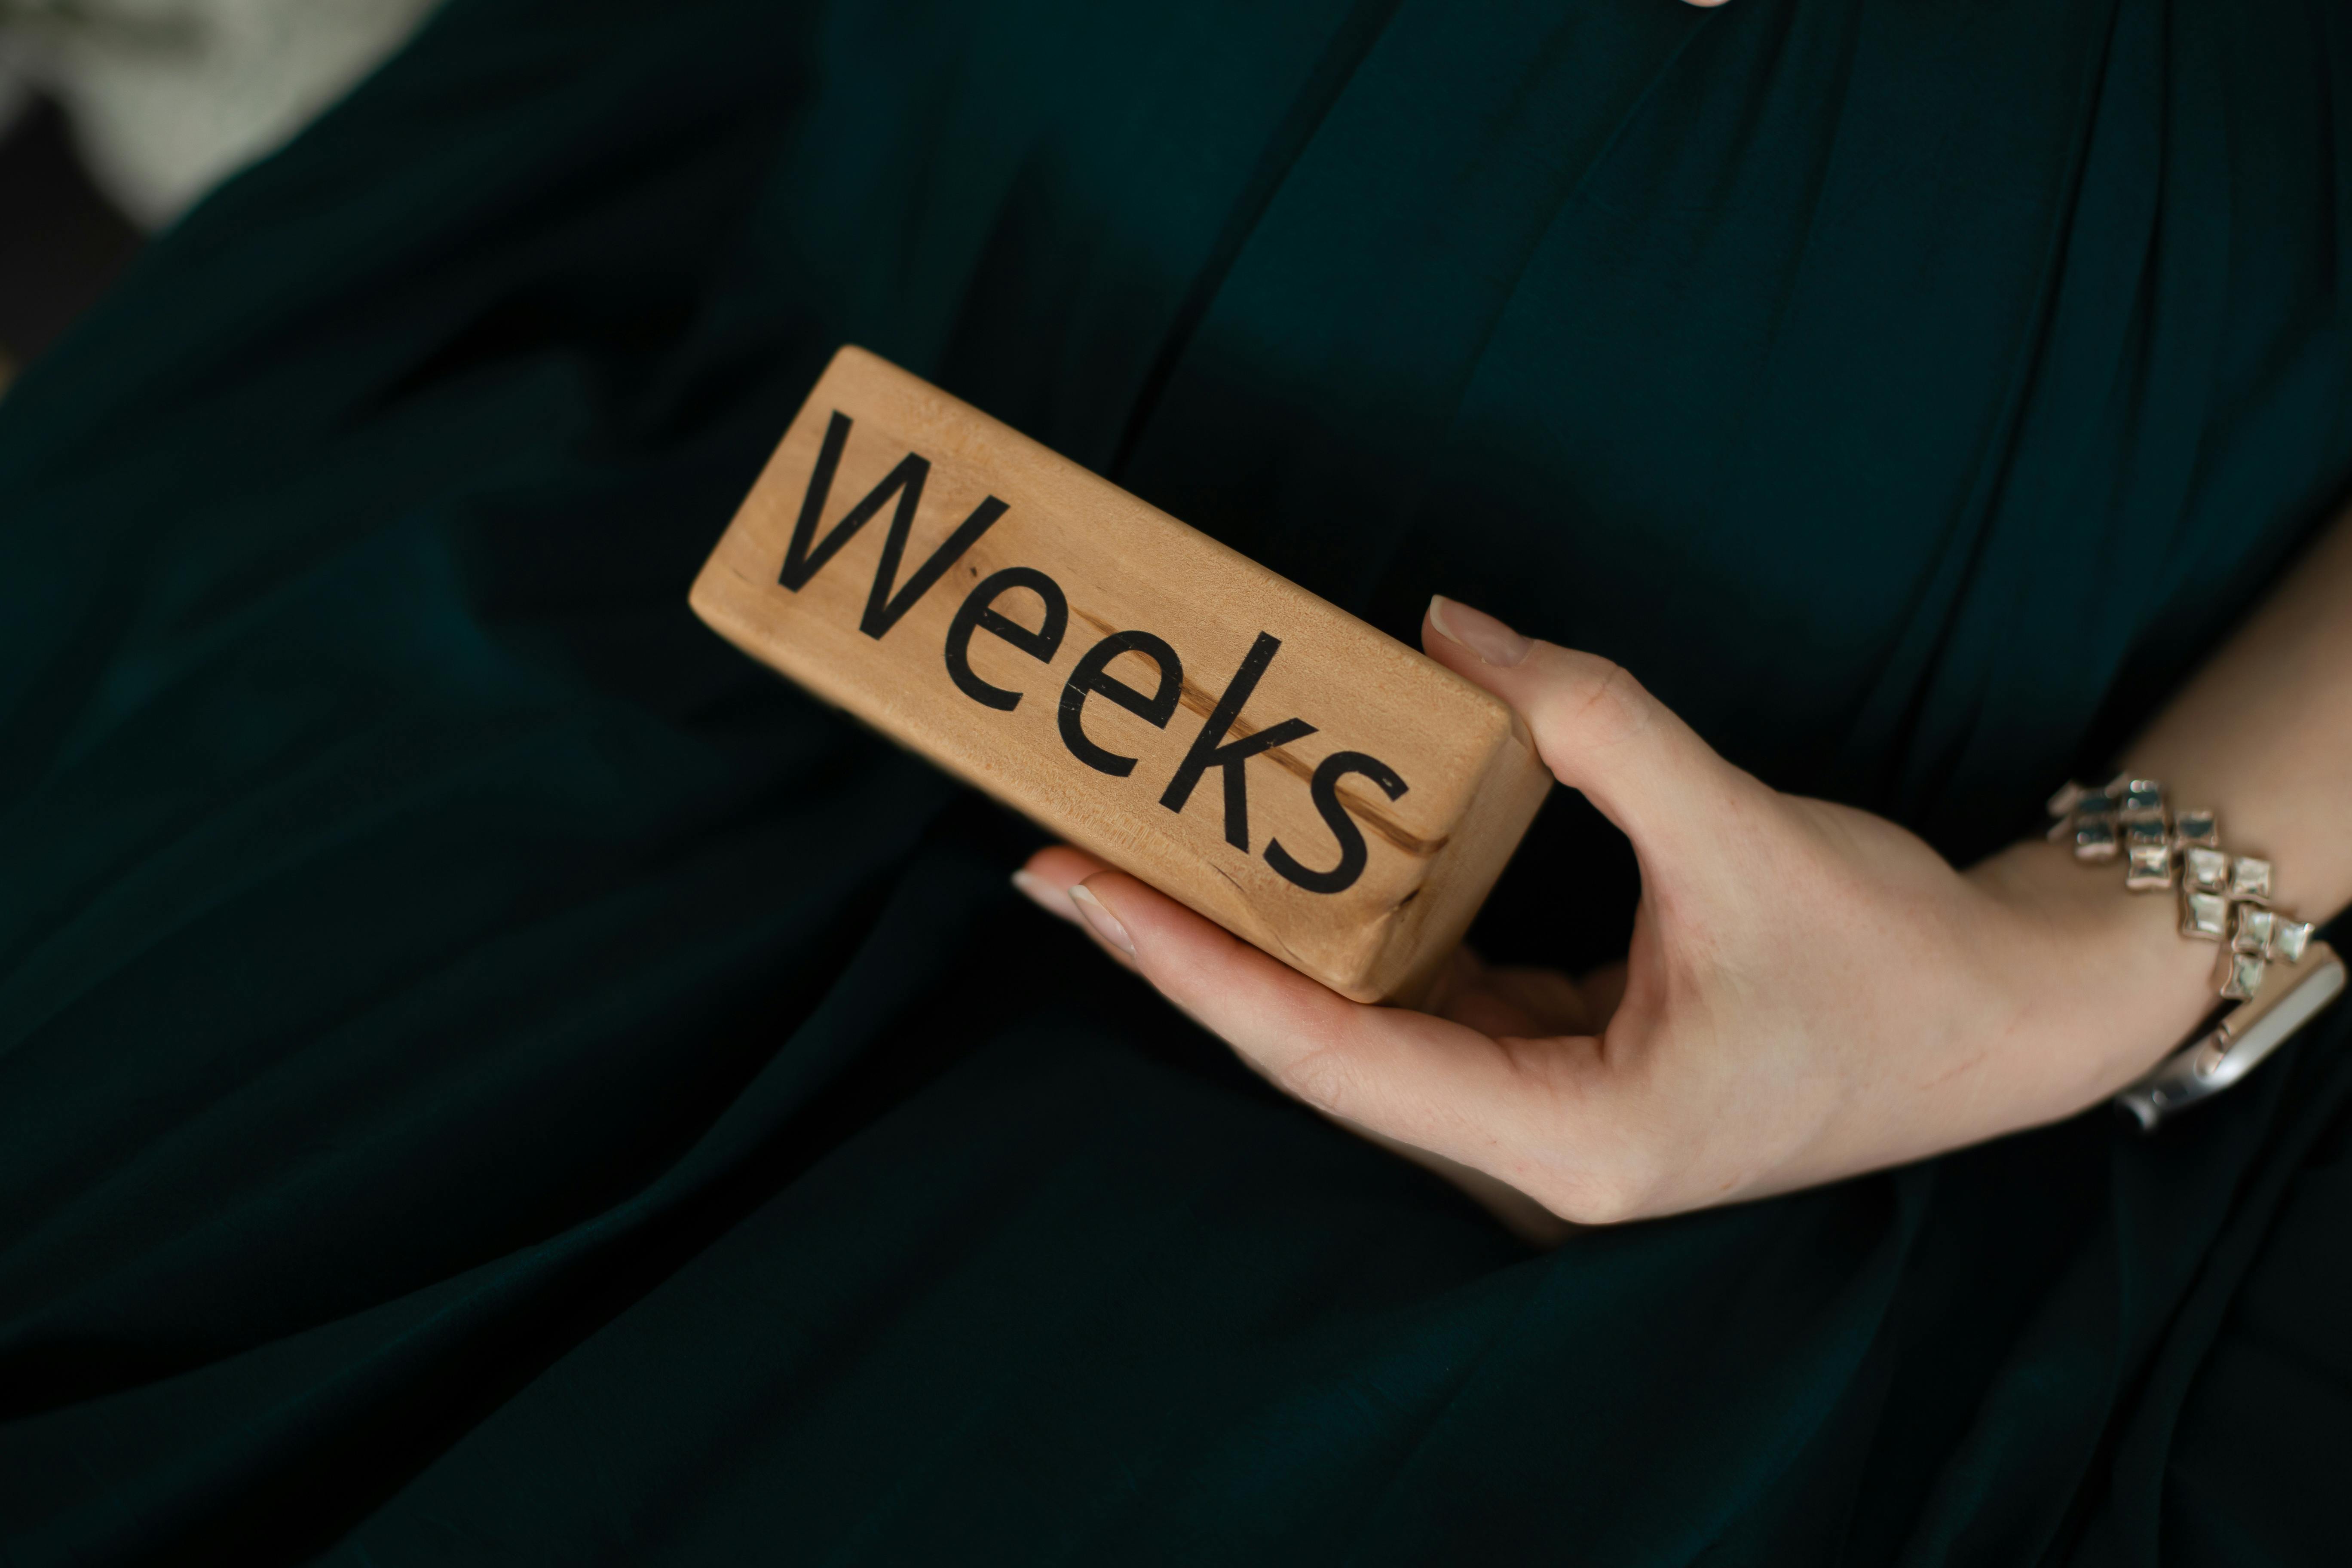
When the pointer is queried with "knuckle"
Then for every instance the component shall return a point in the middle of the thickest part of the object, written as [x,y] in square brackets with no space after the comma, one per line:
[1593,1154]
[1321,1078]
[1593,703]
[1608,1192]
[1597,1204]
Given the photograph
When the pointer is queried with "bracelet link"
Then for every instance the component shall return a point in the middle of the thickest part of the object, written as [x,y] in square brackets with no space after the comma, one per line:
[2224,899]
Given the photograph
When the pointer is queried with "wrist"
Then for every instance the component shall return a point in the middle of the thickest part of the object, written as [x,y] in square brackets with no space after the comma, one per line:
[2100,981]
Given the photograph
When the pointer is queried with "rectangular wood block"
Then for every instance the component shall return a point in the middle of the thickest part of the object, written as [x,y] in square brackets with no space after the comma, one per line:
[1154,698]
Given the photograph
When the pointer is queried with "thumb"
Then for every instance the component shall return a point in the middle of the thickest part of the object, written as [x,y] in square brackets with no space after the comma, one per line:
[1599,731]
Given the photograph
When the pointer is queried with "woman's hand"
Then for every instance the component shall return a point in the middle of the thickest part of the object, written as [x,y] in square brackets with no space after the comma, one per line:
[1811,992]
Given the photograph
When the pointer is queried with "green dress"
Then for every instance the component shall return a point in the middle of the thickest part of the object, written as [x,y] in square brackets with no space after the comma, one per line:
[489,1075]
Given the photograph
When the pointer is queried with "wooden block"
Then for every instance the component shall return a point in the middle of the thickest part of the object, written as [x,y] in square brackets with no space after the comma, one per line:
[1154,698]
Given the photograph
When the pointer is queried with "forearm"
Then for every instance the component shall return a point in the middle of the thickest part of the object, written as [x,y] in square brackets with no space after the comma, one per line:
[2263,733]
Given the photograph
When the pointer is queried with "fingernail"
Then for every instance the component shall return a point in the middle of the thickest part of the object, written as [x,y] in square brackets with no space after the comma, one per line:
[1045,895]
[1105,924]
[1479,632]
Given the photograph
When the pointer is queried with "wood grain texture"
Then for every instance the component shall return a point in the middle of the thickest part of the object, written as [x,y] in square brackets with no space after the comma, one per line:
[1078,654]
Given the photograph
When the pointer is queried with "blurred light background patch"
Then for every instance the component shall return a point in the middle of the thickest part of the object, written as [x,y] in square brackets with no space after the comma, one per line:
[116,115]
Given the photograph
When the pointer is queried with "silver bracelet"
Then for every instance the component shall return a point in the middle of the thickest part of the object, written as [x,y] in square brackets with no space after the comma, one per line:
[2270,966]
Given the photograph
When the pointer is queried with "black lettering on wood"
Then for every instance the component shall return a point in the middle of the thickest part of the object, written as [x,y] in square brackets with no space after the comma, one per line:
[979,613]
[1324,789]
[1093,676]
[805,556]
[1231,755]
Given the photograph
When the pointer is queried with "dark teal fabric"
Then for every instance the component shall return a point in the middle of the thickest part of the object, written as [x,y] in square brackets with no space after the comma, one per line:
[489,1075]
